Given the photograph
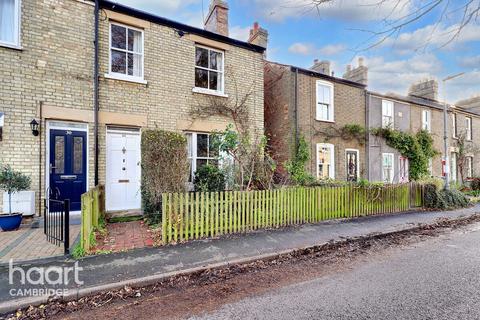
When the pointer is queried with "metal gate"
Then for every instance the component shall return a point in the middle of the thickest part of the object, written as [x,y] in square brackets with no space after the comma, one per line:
[57,222]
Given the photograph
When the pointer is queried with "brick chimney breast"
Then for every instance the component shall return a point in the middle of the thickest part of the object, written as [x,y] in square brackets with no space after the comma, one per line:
[217,18]
[258,36]
[322,67]
[358,74]
[427,89]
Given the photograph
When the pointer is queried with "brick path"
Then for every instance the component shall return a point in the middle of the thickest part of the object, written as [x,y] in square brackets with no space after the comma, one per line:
[30,243]
[125,236]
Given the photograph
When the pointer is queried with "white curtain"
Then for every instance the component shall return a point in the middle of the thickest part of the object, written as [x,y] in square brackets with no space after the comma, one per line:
[7,21]
[137,58]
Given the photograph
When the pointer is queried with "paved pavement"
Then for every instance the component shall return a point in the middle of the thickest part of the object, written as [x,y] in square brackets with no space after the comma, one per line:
[435,279]
[125,236]
[147,264]
[29,242]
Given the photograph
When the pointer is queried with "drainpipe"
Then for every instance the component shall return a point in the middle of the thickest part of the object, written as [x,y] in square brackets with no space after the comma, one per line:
[40,161]
[95,92]
[367,132]
[297,135]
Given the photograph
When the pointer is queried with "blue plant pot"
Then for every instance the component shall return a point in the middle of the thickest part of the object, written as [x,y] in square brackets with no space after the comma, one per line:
[10,222]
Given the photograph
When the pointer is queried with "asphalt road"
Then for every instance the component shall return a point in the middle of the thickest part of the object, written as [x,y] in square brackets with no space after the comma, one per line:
[434,279]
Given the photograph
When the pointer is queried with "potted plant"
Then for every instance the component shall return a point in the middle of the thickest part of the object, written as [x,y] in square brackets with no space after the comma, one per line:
[12,181]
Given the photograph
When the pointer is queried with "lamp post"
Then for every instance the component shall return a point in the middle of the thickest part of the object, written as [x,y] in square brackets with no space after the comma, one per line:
[445,130]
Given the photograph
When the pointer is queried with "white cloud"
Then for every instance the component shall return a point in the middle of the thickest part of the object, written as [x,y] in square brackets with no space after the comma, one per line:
[332,49]
[308,49]
[470,62]
[433,36]
[305,49]
[397,75]
[350,10]
[239,33]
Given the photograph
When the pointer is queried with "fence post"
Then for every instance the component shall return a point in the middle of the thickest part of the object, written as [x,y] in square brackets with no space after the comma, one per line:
[66,240]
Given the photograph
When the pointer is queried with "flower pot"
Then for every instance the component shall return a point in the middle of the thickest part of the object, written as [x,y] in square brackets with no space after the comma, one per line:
[10,222]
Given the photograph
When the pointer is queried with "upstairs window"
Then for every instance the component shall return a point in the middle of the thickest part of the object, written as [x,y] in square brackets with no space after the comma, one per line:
[454,125]
[126,52]
[325,161]
[468,128]
[387,114]
[209,69]
[325,109]
[426,120]
[10,22]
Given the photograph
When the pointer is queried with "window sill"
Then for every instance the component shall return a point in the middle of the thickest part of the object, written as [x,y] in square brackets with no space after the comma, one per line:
[11,46]
[124,78]
[329,121]
[209,92]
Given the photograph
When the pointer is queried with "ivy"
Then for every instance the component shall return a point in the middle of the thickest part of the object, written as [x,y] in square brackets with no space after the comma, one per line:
[347,132]
[418,148]
[296,166]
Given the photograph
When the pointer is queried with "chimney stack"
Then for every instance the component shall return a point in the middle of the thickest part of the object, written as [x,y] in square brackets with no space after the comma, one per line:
[358,74]
[322,67]
[258,36]
[427,89]
[217,18]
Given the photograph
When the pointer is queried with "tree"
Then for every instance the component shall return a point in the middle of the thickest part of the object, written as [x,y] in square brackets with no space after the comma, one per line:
[13,181]
[465,149]
[457,14]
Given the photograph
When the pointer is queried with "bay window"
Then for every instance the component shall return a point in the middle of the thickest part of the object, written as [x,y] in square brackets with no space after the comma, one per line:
[325,107]
[209,69]
[10,23]
[126,52]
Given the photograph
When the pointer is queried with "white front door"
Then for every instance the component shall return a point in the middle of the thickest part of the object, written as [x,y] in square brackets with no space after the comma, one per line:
[123,170]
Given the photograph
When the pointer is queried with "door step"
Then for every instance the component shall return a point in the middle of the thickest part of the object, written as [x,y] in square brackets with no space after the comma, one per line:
[123,214]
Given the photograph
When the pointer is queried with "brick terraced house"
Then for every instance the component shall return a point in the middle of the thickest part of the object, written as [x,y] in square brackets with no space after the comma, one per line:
[314,104]
[151,73]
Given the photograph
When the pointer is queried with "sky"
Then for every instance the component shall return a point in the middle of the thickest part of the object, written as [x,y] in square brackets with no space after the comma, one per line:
[343,30]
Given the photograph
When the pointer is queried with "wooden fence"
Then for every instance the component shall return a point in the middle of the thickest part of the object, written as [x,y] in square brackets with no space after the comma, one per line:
[92,209]
[197,215]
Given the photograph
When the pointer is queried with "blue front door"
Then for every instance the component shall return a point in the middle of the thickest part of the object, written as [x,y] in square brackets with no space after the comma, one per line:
[68,164]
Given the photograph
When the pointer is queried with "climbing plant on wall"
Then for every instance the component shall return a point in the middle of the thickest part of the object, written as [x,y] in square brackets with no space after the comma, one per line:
[418,148]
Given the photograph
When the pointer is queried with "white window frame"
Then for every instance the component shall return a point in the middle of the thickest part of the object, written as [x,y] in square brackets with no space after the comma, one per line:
[125,76]
[454,125]
[427,120]
[193,156]
[469,173]
[222,72]
[406,169]
[454,166]
[331,147]
[468,128]
[17,29]
[391,106]
[331,111]
[390,155]
[357,164]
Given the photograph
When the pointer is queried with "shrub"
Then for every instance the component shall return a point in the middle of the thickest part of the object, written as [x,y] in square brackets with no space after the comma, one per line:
[296,166]
[164,168]
[209,178]
[475,184]
[443,199]
[437,182]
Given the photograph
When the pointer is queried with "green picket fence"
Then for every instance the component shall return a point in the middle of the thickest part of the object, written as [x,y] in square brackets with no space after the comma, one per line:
[197,215]
[92,209]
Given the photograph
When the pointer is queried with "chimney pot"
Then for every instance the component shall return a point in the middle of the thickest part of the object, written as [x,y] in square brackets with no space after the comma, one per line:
[258,36]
